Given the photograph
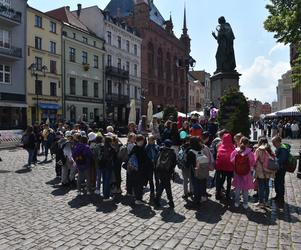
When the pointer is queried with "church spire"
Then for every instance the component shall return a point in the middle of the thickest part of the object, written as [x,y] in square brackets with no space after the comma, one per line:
[185,30]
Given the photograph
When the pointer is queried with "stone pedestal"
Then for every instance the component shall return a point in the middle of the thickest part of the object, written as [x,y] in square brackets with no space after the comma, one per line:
[221,82]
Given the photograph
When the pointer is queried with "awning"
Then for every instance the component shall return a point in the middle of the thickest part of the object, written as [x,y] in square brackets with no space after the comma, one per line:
[49,106]
[291,111]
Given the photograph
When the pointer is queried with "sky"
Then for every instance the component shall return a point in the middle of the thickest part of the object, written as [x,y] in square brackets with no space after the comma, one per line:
[259,59]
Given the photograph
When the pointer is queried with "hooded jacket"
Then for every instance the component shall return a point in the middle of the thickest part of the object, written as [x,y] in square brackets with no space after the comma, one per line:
[224,152]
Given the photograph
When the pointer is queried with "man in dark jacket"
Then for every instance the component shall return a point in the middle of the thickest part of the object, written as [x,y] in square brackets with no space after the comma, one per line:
[165,167]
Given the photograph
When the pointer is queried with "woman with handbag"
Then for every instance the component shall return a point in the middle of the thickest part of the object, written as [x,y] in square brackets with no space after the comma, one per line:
[264,171]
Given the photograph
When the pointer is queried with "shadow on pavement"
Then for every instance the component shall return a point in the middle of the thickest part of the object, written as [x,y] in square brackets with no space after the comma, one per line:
[142,211]
[60,191]
[3,171]
[80,201]
[169,215]
[104,207]
[24,170]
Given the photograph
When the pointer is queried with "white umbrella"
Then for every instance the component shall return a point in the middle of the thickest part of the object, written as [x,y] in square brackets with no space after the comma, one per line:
[159,115]
[199,113]
[149,112]
[132,115]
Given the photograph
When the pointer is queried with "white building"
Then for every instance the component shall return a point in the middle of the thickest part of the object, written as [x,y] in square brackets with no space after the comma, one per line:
[285,91]
[122,61]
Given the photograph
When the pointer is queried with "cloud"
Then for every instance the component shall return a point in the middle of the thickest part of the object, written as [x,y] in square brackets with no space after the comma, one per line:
[261,78]
[278,46]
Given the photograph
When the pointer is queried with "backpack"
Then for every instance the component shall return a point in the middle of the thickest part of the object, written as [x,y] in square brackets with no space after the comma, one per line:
[291,164]
[164,163]
[242,164]
[79,155]
[25,140]
[98,153]
[132,164]
[61,158]
[201,170]
[182,158]
[123,153]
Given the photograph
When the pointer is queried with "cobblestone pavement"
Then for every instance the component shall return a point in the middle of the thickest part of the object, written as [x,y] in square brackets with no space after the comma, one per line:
[35,213]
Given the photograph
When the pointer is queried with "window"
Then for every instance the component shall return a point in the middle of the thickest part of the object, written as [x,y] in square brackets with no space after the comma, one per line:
[72,54]
[74,35]
[128,46]
[4,38]
[96,94]
[135,50]
[38,87]
[72,86]
[128,66]
[85,88]
[38,21]
[136,92]
[94,43]
[85,39]
[53,88]
[38,61]
[119,63]
[160,63]
[85,112]
[85,57]
[38,42]
[53,67]
[151,59]
[175,70]
[95,62]
[135,70]
[109,37]
[53,27]
[109,87]
[119,42]
[109,60]
[168,67]
[5,74]
[53,47]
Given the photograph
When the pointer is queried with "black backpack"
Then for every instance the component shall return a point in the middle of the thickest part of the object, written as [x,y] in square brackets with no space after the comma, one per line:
[164,163]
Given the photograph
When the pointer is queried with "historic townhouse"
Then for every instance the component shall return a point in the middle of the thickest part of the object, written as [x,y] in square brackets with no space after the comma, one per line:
[163,81]
[122,62]
[12,64]
[83,71]
[44,76]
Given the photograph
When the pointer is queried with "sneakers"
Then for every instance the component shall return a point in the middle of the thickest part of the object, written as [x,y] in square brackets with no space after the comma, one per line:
[236,204]
[246,206]
[138,202]
[107,199]
[97,192]
[171,204]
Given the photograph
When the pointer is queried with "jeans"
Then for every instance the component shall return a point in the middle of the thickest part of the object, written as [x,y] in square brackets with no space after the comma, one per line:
[199,188]
[68,173]
[46,147]
[136,181]
[82,176]
[263,190]
[105,174]
[30,156]
[164,183]
[221,176]
[150,180]
[245,194]
[279,183]
[187,180]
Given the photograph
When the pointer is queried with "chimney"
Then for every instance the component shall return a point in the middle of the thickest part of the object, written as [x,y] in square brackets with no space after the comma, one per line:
[79,8]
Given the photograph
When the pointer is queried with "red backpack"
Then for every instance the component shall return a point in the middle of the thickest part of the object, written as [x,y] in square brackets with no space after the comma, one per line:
[242,165]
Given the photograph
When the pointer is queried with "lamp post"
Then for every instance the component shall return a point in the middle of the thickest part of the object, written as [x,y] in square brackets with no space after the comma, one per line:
[35,69]
[187,63]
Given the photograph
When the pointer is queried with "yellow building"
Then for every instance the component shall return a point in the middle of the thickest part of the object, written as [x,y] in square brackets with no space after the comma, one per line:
[44,76]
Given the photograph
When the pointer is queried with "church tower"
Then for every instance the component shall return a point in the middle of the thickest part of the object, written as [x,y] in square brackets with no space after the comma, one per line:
[185,39]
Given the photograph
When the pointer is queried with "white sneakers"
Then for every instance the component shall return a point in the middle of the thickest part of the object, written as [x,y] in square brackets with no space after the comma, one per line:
[236,204]
[108,199]
[97,192]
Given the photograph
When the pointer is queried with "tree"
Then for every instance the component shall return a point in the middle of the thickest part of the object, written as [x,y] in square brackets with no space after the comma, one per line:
[170,112]
[285,21]
[234,113]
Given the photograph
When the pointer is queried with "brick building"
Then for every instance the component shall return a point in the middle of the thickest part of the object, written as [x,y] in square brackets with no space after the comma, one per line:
[163,82]
[266,108]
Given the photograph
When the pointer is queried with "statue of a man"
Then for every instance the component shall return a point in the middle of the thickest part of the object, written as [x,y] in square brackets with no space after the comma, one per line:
[225,58]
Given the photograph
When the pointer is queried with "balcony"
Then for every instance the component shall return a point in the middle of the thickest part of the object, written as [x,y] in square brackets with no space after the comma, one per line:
[118,99]
[117,72]
[11,53]
[9,16]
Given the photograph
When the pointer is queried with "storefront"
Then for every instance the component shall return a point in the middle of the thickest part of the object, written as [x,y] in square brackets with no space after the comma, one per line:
[12,116]
[50,112]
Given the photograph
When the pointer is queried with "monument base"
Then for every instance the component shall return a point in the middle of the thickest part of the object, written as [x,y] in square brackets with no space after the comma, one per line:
[221,82]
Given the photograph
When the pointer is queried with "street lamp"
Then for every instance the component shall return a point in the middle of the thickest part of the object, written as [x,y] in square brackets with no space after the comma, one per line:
[35,69]
[187,63]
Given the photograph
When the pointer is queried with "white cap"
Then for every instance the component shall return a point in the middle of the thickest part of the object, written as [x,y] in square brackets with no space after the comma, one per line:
[68,133]
[92,136]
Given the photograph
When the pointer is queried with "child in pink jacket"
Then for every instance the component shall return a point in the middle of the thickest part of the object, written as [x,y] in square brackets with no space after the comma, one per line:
[244,162]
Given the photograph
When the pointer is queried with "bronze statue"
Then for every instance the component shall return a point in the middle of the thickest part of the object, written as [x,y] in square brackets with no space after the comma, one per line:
[225,58]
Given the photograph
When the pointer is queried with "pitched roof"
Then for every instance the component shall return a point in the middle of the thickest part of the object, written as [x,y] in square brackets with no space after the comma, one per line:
[65,15]
[122,8]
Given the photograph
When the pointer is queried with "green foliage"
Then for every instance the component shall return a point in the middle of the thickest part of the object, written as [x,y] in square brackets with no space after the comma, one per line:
[170,111]
[285,21]
[234,113]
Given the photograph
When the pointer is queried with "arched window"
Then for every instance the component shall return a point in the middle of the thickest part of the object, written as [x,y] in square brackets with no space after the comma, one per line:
[197,97]
[176,95]
[161,90]
[160,63]
[151,59]
[169,93]
[168,67]
[175,70]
